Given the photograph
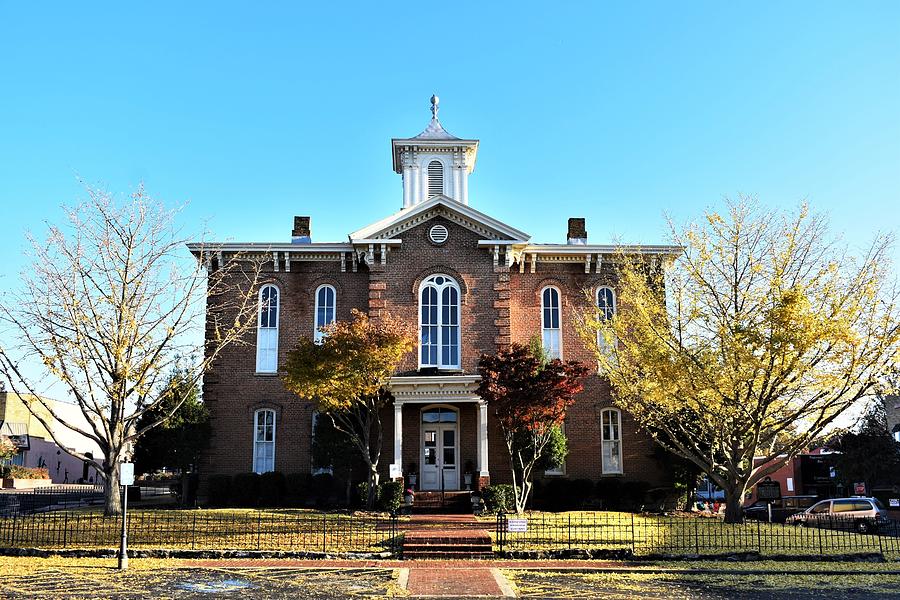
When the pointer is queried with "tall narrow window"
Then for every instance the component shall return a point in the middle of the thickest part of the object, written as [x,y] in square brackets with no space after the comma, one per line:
[267,330]
[264,441]
[435,178]
[606,307]
[439,322]
[324,310]
[551,332]
[611,441]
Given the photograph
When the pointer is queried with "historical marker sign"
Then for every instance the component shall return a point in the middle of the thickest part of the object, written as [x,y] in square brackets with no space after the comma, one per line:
[768,490]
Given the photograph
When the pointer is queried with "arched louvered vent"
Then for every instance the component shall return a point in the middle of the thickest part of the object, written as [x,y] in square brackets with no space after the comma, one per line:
[438,234]
[435,178]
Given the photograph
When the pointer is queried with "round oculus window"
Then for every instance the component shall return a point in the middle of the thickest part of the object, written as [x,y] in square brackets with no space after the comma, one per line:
[438,234]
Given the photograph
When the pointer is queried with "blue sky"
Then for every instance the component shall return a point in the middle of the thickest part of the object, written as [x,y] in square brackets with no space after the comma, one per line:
[255,112]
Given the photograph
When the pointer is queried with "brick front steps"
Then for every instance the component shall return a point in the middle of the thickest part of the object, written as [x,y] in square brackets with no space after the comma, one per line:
[443,503]
[447,543]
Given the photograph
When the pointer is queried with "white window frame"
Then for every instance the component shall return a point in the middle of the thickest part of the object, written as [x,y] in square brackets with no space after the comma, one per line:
[318,336]
[547,333]
[605,441]
[257,442]
[449,282]
[267,336]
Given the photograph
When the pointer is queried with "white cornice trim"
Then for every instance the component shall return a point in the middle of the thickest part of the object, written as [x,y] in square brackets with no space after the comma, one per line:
[597,249]
[314,248]
[389,225]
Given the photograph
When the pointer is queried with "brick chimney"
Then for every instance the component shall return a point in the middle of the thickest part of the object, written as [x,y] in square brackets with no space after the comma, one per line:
[577,233]
[301,233]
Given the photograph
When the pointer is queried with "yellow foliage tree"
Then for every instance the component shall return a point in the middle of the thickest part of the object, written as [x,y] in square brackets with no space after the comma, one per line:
[345,376]
[750,343]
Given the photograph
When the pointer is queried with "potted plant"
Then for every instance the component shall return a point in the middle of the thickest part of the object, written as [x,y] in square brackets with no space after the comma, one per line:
[412,474]
[470,467]
[409,497]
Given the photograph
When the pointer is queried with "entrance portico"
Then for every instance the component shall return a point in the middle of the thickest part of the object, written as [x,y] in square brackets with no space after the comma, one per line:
[444,406]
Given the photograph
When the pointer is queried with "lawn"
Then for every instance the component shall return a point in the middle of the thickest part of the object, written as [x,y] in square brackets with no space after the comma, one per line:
[297,530]
[215,529]
[684,535]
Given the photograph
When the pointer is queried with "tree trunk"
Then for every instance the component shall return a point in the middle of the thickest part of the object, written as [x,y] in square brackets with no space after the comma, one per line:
[734,511]
[112,493]
[373,486]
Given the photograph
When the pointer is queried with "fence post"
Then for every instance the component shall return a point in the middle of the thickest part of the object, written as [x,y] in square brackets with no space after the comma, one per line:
[258,527]
[194,530]
[697,535]
[66,529]
[633,549]
[759,537]
[324,527]
[570,531]
[394,530]
[501,529]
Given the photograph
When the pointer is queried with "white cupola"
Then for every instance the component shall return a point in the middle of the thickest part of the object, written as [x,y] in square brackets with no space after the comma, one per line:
[434,163]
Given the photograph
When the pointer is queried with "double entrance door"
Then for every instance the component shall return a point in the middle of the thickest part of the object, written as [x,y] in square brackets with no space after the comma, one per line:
[439,457]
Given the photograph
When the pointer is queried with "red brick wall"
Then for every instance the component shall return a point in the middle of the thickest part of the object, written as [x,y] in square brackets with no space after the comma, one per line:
[498,305]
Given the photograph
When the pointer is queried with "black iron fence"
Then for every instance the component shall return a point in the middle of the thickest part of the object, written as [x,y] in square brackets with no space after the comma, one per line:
[54,497]
[239,530]
[671,535]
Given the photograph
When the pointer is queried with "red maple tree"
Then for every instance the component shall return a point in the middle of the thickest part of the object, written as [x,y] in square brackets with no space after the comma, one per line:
[529,395]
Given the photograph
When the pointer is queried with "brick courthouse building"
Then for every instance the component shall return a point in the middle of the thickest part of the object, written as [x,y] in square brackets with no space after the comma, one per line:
[472,284]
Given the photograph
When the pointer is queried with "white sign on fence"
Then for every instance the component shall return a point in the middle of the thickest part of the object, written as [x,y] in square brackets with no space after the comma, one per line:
[517,525]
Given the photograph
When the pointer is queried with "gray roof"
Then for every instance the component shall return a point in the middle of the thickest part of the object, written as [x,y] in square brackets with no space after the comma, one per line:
[435,131]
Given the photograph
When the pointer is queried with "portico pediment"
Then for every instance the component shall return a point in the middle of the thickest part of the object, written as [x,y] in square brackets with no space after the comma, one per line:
[440,206]
[435,388]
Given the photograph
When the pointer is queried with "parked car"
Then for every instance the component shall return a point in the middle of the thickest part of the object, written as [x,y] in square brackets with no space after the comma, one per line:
[860,514]
[781,509]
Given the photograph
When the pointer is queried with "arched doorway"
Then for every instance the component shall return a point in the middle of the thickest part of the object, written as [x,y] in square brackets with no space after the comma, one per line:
[440,448]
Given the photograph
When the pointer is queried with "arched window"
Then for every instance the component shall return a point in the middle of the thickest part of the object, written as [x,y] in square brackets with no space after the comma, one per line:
[267,330]
[611,441]
[325,296]
[264,441]
[606,303]
[550,322]
[439,323]
[435,178]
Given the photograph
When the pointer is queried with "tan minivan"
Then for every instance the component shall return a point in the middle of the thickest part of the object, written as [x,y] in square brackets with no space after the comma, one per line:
[860,514]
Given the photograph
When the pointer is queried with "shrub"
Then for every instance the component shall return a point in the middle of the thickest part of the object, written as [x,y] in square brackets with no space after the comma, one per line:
[362,494]
[271,488]
[219,490]
[245,489]
[390,495]
[634,495]
[17,472]
[609,492]
[296,488]
[323,488]
[499,497]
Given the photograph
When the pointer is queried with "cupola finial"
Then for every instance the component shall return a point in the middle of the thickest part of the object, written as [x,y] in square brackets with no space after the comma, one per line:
[434,106]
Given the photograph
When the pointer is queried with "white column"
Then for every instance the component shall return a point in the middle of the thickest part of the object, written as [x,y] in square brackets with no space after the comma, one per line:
[407,190]
[464,191]
[414,172]
[482,439]
[398,436]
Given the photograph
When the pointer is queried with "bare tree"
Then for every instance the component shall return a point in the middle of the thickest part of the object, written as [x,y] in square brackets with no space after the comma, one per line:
[109,304]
